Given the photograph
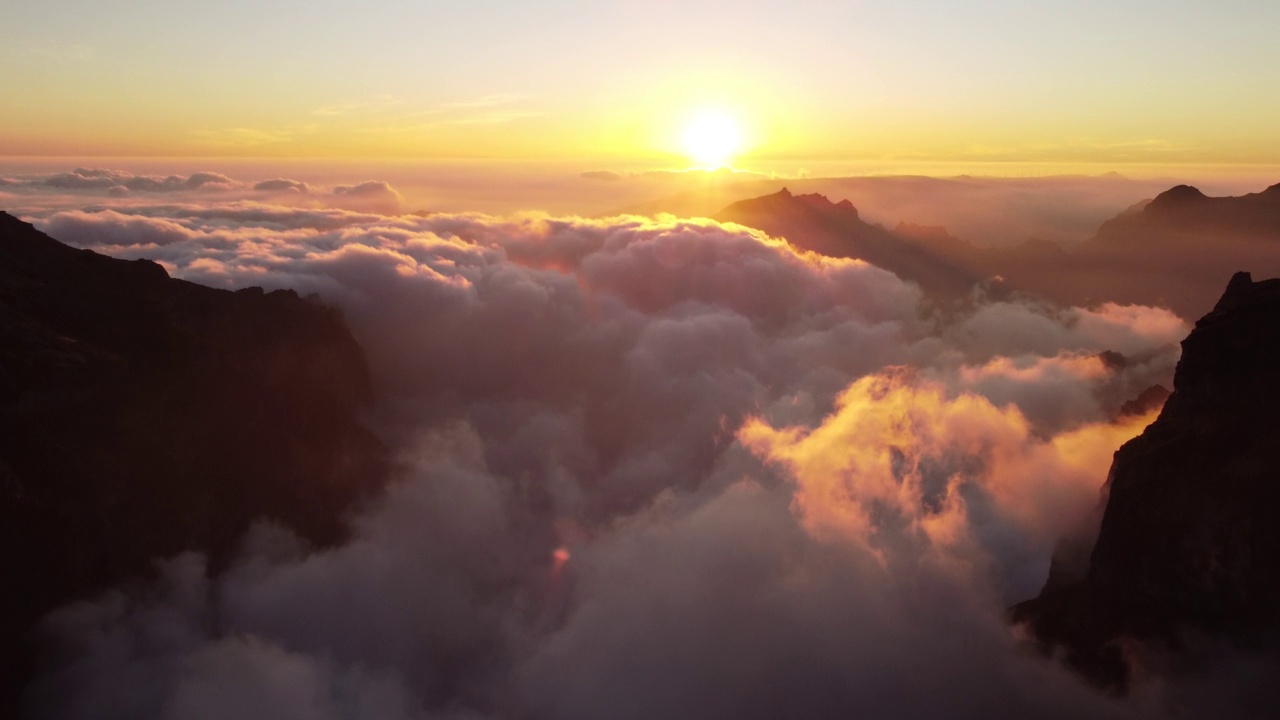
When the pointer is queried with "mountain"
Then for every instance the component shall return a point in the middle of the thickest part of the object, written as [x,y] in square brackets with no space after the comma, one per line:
[142,416]
[1181,247]
[1184,208]
[814,223]
[983,211]
[1187,556]
[1174,251]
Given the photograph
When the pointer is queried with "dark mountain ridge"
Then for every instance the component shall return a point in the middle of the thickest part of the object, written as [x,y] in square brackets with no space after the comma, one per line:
[142,416]
[814,223]
[1188,545]
[1175,251]
[1256,213]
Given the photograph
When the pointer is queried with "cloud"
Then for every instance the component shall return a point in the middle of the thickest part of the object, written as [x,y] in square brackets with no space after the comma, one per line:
[648,468]
[375,188]
[731,610]
[486,101]
[380,103]
[371,195]
[905,463]
[100,178]
[283,185]
[1007,328]
[61,53]
[40,196]
[243,137]
[111,229]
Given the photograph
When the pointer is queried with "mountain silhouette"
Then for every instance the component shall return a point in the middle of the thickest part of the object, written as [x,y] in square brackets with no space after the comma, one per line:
[983,211]
[142,416]
[1175,251]
[1178,250]
[814,223]
[1187,555]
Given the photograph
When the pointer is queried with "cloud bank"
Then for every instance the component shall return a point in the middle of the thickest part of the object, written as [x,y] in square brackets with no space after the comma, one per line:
[647,469]
[42,194]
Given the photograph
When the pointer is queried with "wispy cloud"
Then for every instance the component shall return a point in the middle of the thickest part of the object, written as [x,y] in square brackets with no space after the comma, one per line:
[493,118]
[376,104]
[392,115]
[243,137]
[1126,148]
[486,101]
[54,53]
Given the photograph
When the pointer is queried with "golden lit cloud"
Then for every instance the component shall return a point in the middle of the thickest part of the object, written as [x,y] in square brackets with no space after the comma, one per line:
[902,450]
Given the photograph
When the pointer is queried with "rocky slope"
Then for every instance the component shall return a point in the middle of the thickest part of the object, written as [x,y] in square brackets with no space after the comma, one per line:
[141,416]
[1188,552]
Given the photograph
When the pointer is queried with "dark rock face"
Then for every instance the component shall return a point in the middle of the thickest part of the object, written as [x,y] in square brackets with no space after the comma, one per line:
[142,416]
[1189,546]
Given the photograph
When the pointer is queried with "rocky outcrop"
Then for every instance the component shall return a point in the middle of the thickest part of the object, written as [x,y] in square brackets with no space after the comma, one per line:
[1188,550]
[142,416]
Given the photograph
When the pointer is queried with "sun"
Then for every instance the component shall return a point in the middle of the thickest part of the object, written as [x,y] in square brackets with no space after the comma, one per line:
[712,138]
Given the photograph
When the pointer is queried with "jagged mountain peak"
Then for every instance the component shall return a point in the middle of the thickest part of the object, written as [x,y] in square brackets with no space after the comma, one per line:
[812,222]
[785,201]
[1179,196]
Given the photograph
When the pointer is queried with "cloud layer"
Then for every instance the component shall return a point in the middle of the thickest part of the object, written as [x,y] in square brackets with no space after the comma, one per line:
[648,469]
[42,194]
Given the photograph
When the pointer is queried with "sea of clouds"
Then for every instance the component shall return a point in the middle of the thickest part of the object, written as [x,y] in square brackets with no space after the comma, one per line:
[646,469]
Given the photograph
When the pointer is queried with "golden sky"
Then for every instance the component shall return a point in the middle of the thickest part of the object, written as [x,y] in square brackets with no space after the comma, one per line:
[910,81]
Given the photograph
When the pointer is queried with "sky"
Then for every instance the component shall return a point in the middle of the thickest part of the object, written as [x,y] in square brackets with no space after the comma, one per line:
[618,82]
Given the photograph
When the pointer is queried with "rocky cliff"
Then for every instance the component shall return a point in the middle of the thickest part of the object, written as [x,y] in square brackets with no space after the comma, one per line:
[1188,551]
[141,416]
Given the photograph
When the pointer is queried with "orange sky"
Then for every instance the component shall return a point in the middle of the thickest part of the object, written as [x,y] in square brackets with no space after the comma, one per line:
[915,81]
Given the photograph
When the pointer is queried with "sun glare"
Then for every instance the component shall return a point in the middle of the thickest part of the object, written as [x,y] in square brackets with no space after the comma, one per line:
[712,138]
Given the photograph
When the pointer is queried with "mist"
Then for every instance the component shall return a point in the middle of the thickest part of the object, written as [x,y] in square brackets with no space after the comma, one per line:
[989,205]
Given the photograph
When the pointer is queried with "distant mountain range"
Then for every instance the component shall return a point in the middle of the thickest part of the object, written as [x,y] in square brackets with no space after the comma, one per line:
[985,211]
[814,223]
[1175,251]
